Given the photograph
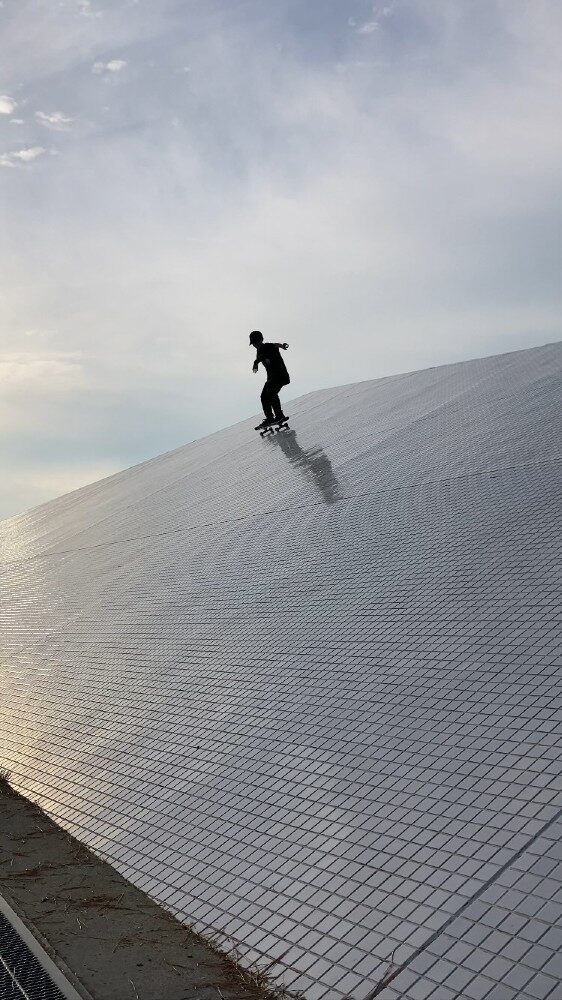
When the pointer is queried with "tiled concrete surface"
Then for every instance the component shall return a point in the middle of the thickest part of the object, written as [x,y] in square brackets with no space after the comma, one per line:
[303,690]
[99,937]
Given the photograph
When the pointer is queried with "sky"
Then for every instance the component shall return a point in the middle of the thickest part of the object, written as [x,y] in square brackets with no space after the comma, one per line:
[380,185]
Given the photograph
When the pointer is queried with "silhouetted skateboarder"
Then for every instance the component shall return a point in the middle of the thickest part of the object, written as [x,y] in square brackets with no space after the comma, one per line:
[277,377]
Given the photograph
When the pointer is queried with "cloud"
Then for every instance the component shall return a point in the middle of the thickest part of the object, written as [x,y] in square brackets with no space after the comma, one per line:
[54,120]
[7,105]
[368,28]
[86,9]
[40,370]
[113,66]
[21,156]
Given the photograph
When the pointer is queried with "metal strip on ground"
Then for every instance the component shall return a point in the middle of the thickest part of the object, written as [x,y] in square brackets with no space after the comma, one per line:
[26,970]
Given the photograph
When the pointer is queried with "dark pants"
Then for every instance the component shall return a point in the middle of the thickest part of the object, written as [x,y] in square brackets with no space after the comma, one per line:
[270,399]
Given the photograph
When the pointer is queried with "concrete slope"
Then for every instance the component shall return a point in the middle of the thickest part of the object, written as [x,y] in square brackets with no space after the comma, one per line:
[72,928]
[301,690]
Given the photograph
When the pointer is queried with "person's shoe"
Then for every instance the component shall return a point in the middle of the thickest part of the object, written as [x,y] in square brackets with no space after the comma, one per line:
[280,420]
[263,425]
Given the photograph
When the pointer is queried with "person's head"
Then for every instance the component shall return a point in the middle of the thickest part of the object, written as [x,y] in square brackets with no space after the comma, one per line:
[256,338]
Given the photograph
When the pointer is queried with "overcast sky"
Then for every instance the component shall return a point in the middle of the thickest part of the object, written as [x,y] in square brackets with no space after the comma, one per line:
[380,185]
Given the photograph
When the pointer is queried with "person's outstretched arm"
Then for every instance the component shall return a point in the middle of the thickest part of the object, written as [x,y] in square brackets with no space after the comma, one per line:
[283,346]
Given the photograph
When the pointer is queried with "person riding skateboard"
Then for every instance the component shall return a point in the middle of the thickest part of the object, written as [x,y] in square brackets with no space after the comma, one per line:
[277,376]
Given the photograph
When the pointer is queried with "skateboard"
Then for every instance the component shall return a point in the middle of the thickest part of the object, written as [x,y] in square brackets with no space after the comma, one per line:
[273,428]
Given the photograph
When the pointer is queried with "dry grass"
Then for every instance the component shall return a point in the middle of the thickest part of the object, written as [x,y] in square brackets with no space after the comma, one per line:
[256,978]
[4,777]
[261,979]
[5,783]
[387,977]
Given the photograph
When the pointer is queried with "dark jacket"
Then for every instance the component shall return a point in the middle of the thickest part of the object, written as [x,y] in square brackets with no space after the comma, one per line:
[270,357]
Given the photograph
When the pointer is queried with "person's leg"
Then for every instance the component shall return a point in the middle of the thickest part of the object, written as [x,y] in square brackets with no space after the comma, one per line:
[276,402]
[266,399]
